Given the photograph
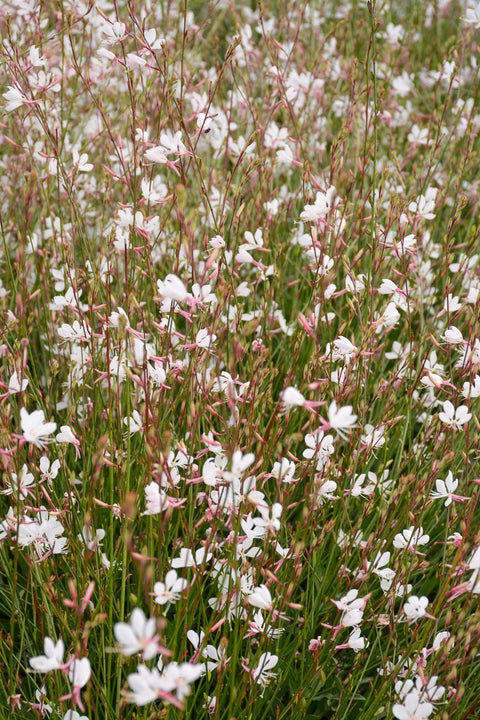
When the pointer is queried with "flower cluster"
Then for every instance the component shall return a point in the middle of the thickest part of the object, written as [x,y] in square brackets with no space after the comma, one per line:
[240,359]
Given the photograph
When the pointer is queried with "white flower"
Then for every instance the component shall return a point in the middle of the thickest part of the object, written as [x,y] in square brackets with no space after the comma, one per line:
[91,539]
[290,398]
[388,319]
[399,589]
[452,336]
[341,419]
[240,463]
[270,519]
[43,534]
[402,84]
[151,39]
[319,447]
[470,355]
[440,639]
[445,489]
[66,436]
[352,608]
[266,662]
[188,559]
[412,708]
[361,490]
[119,318]
[217,242]
[472,390]
[138,635]
[451,303]
[173,288]
[344,349]
[113,32]
[324,202]
[379,566]
[258,625]
[53,658]
[146,685]
[230,497]
[81,161]
[454,417]
[405,245]
[324,488]
[74,715]
[399,297]
[212,470]
[173,143]
[473,14]
[134,423]
[204,339]
[80,672]
[410,538]
[348,601]
[156,499]
[373,437]
[356,641]
[49,472]
[260,598]
[153,191]
[157,154]
[177,677]
[415,607]
[14,98]
[284,470]
[253,242]
[419,136]
[422,207]
[133,60]
[354,284]
[473,563]
[75,331]
[433,691]
[35,429]
[15,385]
[20,487]
[170,590]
